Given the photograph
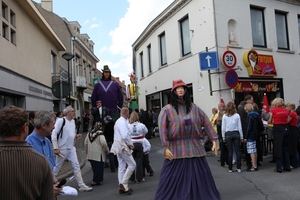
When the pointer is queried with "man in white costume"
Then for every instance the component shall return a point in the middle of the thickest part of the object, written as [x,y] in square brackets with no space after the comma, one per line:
[122,147]
[63,144]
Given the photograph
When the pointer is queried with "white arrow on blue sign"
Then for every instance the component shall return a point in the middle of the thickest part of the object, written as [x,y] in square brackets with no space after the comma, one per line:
[208,60]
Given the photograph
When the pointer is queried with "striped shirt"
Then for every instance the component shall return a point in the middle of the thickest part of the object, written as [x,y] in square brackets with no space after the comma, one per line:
[182,133]
[25,173]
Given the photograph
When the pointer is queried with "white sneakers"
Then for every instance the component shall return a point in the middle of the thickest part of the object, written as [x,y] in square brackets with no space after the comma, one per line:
[85,188]
[238,170]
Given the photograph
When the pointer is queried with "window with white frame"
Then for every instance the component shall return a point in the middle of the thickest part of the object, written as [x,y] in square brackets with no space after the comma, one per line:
[185,36]
[282,30]
[149,58]
[258,27]
[163,49]
[142,64]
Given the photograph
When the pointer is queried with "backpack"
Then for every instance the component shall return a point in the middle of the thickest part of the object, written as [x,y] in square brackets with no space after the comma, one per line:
[61,129]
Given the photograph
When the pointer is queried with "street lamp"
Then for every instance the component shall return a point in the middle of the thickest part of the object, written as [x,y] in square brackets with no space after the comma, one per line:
[68,56]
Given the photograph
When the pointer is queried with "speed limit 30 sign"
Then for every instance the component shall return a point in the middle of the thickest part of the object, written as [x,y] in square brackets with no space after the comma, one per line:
[229,59]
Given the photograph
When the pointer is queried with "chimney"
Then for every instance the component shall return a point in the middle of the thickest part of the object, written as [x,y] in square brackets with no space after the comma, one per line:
[47,5]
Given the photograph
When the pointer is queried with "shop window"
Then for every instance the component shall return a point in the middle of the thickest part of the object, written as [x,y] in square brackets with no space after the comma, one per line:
[149,58]
[282,31]
[185,36]
[6,100]
[258,27]
[163,49]
[142,64]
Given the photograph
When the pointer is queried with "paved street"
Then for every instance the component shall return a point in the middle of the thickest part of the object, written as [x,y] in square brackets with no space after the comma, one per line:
[263,184]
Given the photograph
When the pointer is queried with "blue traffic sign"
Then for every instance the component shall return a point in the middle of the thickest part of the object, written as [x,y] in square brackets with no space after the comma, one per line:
[231,78]
[208,60]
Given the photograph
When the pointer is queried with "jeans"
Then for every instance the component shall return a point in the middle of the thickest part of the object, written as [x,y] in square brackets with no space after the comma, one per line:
[233,142]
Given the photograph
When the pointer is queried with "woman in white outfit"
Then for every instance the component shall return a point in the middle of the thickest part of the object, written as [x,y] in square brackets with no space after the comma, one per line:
[232,134]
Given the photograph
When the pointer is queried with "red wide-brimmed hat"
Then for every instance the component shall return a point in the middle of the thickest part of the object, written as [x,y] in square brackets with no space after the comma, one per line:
[178,83]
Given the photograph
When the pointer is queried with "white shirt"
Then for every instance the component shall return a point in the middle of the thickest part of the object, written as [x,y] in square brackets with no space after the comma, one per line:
[137,129]
[146,146]
[67,140]
[121,131]
[121,137]
[232,123]
[100,112]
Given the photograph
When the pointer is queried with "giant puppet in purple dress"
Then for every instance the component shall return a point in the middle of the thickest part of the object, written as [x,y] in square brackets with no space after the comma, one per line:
[109,92]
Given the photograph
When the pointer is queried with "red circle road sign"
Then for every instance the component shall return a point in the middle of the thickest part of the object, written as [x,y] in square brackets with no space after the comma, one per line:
[231,78]
[229,59]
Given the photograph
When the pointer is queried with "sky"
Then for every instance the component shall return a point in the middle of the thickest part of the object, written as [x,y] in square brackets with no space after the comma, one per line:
[113,25]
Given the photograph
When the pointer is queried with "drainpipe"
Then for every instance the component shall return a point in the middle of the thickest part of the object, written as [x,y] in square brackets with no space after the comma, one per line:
[216,39]
[72,63]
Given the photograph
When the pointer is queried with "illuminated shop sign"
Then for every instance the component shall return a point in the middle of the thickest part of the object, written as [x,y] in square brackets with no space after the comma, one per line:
[258,64]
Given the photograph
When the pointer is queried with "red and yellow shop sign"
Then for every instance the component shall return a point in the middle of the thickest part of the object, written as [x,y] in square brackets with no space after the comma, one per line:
[256,86]
[258,64]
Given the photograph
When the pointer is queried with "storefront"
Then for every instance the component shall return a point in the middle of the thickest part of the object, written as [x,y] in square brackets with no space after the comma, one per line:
[257,87]
[261,70]
[21,91]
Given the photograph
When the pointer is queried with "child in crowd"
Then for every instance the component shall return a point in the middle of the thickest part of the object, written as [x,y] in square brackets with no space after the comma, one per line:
[146,162]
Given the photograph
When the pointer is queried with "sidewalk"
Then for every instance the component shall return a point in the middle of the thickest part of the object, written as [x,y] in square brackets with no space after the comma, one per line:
[66,169]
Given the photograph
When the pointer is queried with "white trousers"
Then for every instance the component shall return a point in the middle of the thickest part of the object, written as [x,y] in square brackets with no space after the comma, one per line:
[124,159]
[69,154]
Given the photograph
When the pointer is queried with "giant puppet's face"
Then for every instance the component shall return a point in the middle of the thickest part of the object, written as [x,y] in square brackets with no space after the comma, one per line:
[132,78]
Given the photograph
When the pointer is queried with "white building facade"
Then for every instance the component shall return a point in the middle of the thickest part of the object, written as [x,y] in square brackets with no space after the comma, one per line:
[257,40]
